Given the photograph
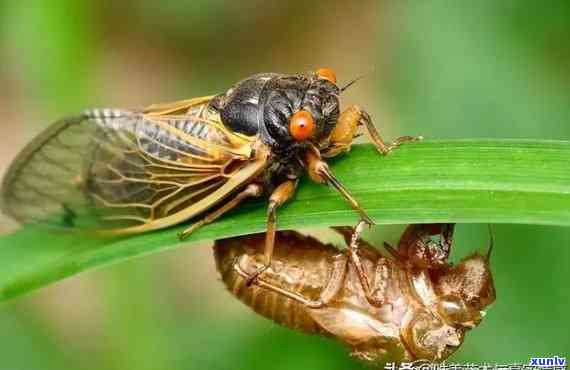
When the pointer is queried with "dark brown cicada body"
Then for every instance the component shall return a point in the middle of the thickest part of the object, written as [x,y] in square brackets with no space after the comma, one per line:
[130,171]
[412,306]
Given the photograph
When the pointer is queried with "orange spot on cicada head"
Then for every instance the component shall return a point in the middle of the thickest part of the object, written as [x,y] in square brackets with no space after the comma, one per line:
[326,74]
[302,125]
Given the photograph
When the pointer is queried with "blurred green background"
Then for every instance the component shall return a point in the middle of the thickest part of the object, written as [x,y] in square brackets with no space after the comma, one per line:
[443,69]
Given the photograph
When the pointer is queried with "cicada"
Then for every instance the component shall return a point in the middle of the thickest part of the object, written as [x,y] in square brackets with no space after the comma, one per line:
[123,171]
[410,304]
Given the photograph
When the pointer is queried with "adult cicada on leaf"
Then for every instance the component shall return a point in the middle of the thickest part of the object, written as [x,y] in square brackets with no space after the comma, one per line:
[130,171]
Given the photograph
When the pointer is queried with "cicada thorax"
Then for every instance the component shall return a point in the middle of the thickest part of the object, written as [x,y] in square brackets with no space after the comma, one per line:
[286,113]
[264,105]
[239,106]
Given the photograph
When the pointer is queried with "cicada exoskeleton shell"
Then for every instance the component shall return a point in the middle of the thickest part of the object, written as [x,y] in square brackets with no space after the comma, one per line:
[406,309]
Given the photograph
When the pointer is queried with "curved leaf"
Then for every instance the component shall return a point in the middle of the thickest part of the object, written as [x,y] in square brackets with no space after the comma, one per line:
[488,181]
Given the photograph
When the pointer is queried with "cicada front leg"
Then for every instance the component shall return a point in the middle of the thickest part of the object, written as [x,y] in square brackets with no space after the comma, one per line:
[341,138]
[320,172]
[382,147]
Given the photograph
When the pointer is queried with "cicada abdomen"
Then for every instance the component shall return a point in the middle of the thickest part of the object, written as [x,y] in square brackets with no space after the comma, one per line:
[301,265]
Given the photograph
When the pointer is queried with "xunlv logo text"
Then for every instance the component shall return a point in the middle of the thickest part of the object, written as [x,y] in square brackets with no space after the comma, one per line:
[548,361]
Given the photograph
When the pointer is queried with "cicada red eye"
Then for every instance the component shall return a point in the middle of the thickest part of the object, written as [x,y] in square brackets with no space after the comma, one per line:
[327,74]
[302,125]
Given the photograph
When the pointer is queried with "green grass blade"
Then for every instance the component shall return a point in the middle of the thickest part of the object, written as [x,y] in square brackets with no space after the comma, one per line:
[488,181]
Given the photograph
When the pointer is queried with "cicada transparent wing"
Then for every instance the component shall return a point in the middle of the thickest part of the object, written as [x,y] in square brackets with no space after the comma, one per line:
[130,171]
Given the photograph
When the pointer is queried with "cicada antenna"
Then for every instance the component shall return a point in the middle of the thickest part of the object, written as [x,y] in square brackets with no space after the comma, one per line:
[354,80]
[491,242]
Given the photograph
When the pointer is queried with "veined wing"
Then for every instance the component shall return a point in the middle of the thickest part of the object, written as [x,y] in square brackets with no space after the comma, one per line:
[130,171]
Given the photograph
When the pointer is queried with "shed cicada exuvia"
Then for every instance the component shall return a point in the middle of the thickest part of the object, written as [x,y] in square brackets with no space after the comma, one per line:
[409,305]
[130,171]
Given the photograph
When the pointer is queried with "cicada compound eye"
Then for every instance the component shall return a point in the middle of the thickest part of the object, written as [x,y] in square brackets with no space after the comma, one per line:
[302,125]
[326,74]
[455,312]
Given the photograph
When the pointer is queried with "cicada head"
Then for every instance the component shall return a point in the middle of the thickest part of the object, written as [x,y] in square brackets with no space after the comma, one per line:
[297,110]
[465,290]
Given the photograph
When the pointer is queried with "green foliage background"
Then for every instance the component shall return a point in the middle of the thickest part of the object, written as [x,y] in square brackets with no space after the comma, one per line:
[442,69]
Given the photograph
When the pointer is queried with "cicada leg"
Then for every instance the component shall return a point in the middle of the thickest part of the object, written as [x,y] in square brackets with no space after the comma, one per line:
[320,172]
[251,191]
[382,147]
[280,195]
[374,293]
[344,133]
[333,285]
